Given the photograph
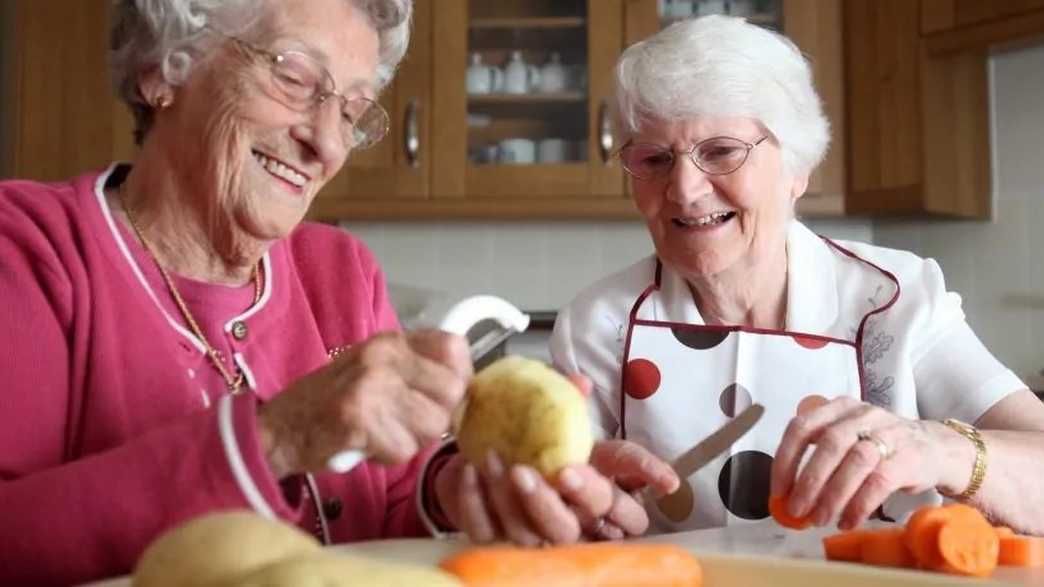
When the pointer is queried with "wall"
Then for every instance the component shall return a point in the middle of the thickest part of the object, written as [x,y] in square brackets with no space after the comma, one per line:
[7,110]
[538,266]
[997,267]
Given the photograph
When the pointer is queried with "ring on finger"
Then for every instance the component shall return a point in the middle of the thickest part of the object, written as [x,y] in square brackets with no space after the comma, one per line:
[598,526]
[882,446]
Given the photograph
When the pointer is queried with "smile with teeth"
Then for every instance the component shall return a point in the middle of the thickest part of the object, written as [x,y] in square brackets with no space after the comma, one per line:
[710,219]
[281,170]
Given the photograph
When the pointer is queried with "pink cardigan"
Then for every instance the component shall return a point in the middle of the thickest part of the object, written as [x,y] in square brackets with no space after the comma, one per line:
[113,425]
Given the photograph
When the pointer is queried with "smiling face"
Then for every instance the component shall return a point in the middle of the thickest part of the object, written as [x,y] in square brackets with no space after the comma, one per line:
[703,225]
[253,163]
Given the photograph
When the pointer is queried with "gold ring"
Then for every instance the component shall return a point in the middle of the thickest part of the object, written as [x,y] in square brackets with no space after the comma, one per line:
[599,524]
[882,448]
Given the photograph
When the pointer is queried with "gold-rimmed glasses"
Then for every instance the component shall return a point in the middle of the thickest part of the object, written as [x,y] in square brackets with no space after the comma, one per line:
[300,82]
[713,156]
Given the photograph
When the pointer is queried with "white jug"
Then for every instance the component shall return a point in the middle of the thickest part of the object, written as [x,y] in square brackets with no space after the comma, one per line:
[519,76]
[482,79]
[554,77]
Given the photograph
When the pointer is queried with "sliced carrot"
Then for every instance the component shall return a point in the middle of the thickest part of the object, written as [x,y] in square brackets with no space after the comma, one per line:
[846,546]
[778,508]
[590,564]
[968,546]
[1003,532]
[886,547]
[1021,551]
[922,535]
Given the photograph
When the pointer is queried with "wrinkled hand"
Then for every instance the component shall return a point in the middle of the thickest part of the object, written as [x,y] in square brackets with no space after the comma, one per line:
[389,396]
[516,503]
[634,469]
[851,478]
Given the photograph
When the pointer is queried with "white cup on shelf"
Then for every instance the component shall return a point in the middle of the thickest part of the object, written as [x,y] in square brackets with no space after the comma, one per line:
[519,76]
[554,77]
[517,151]
[553,150]
[708,7]
[744,8]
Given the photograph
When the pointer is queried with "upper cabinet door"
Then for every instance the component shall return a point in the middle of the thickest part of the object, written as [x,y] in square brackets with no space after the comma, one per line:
[522,90]
[398,167]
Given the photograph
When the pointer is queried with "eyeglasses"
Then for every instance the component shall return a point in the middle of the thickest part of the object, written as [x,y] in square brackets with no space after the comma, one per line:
[714,156]
[300,82]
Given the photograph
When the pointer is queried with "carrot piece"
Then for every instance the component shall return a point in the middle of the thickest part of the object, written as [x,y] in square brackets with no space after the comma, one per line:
[1021,551]
[968,546]
[589,564]
[1003,532]
[778,508]
[886,547]
[922,531]
[845,546]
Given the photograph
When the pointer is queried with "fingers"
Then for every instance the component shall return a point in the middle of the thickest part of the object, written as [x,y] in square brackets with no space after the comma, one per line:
[802,431]
[860,461]
[474,509]
[512,518]
[633,467]
[550,516]
[875,489]
[628,514]
[582,383]
[443,348]
[589,493]
[836,441]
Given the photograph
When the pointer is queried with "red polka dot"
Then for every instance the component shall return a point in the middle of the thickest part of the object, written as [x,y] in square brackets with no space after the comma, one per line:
[809,342]
[641,378]
[809,403]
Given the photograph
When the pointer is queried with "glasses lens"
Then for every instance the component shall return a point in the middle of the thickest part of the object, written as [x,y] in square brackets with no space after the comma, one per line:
[365,122]
[721,155]
[645,161]
[297,77]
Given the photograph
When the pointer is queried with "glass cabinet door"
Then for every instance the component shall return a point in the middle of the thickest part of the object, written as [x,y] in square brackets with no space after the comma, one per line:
[766,13]
[522,104]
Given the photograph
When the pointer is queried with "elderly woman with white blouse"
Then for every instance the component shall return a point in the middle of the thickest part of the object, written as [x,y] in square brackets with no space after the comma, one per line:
[874,385]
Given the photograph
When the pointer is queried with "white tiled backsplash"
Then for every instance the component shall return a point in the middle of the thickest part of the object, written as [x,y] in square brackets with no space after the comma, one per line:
[535,265]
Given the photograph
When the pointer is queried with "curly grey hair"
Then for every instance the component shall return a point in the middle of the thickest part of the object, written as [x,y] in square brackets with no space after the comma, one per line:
[170,34]
[724,66]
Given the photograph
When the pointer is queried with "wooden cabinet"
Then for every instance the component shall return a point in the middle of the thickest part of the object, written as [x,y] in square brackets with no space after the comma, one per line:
[918,102]
[59,118]
[560,133]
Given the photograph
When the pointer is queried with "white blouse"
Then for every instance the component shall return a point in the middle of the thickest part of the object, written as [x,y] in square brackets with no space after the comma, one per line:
[920,357]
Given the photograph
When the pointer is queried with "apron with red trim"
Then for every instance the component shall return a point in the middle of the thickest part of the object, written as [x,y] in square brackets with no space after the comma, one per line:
[680,382]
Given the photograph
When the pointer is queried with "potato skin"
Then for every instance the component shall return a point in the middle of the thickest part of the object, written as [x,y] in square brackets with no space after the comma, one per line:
[341,570]
[528,413]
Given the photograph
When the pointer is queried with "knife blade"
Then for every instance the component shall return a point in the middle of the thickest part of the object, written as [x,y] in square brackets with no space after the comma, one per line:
[718,442]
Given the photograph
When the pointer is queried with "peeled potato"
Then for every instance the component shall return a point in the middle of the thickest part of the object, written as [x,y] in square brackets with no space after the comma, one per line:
[528,413]
[335,570]
[218,548]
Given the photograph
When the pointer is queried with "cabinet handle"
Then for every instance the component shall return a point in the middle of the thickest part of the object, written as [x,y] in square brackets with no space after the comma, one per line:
[605,132]
[411,134]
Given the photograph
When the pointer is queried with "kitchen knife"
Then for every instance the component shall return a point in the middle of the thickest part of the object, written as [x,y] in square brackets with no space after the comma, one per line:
[718,442]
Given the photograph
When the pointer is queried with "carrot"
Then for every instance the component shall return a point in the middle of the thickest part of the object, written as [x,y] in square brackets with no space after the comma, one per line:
[589,564]
[922,531]
[1021,551]
[886,547]
[846,546]
[778,508]
[968,546]
[1003,532]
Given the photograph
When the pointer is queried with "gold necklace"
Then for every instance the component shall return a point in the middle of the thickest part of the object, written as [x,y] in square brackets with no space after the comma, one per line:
[215,357]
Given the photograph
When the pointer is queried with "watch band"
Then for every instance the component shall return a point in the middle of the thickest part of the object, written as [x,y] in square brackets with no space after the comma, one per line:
[979,468]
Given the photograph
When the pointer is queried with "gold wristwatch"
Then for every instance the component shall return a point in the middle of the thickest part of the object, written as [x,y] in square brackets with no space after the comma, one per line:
[979,469]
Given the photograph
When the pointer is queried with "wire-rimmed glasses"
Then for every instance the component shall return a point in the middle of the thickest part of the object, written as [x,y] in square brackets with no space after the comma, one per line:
[713,156]
[300,82]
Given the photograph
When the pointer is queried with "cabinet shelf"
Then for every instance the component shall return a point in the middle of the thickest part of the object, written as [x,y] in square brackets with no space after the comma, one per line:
[557,97]
[555,22]
[764,19]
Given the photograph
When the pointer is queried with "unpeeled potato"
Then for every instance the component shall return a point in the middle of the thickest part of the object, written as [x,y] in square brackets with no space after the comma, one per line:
[218,548]
[528,413]
[337,570]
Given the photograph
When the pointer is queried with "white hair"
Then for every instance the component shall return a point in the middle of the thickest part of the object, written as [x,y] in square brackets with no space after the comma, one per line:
[724,66]
[171,34]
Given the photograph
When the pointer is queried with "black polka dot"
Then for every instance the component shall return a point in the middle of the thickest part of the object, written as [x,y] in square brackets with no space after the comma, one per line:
[743,484]
[734,399]
[699,339]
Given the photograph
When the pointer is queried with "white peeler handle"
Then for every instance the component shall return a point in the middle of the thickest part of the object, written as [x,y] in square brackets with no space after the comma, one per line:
[459,320]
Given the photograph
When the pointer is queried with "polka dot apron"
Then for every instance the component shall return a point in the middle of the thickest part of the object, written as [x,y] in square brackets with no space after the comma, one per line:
[682,381]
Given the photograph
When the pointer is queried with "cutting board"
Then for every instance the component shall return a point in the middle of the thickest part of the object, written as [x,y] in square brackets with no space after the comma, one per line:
[753,555]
